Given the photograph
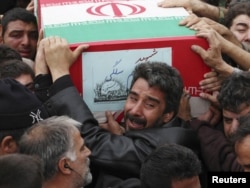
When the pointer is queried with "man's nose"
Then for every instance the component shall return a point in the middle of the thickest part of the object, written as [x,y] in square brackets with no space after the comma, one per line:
[234,126]
[137,108]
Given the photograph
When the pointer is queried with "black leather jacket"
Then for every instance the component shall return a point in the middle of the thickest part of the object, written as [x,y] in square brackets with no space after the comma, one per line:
[118,155]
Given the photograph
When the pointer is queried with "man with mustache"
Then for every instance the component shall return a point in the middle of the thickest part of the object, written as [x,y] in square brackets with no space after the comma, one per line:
[147,104]
[152,104]
[150,120]
[58,142]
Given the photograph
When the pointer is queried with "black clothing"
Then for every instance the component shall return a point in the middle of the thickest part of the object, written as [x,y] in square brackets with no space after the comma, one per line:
[6,5]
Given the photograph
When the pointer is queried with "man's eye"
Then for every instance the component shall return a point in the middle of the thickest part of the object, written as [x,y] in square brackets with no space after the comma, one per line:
[16,35]
[241,30]
[150,105]
[132,98]
[227,120]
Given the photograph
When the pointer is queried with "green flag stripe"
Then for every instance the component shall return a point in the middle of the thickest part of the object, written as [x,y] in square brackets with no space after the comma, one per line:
[122,29]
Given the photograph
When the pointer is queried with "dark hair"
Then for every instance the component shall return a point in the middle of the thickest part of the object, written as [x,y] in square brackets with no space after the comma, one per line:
[15,68]
[164,77]
[235,90]
[17,14]
[241,8]
[243,130]
[8,53]
[18,170]
[167,163]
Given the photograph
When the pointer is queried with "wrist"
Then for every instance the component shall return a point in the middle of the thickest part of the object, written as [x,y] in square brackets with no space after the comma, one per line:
[40,69]
[207,10]
[56,74]
[225,70]
[38,72]
[199,8]
[236,70]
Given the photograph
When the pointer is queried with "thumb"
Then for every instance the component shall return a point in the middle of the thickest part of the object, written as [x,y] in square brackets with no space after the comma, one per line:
[109,116]
[112,125]
[197,49]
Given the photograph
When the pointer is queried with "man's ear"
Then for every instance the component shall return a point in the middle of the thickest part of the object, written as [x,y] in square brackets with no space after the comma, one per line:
[168,116]
[8,145]
[63,166]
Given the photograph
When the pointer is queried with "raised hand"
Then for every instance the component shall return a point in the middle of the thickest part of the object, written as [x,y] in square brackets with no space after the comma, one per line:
[59,57]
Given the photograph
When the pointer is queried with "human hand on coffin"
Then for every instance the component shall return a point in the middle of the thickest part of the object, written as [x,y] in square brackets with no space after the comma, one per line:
[211,82]
[194,22]
[190,5]
[212,55]
[59,57]
[196,6]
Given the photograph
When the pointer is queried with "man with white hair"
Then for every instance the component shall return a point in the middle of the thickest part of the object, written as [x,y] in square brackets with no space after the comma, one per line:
[58,142]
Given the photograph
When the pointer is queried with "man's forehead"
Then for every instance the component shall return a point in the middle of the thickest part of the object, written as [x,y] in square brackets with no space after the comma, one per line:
[20,23]
[244,107]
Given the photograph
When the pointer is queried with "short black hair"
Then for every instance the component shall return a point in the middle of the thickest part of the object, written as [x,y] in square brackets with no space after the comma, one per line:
[236,9]
[15,68]
[17,13]
[19,170]
[243,130]
[235,90]
[168,163]
[166,78]
[8,53]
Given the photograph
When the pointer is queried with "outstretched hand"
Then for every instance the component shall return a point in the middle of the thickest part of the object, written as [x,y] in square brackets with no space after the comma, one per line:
[58,55]
[212,56]
[194,22]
